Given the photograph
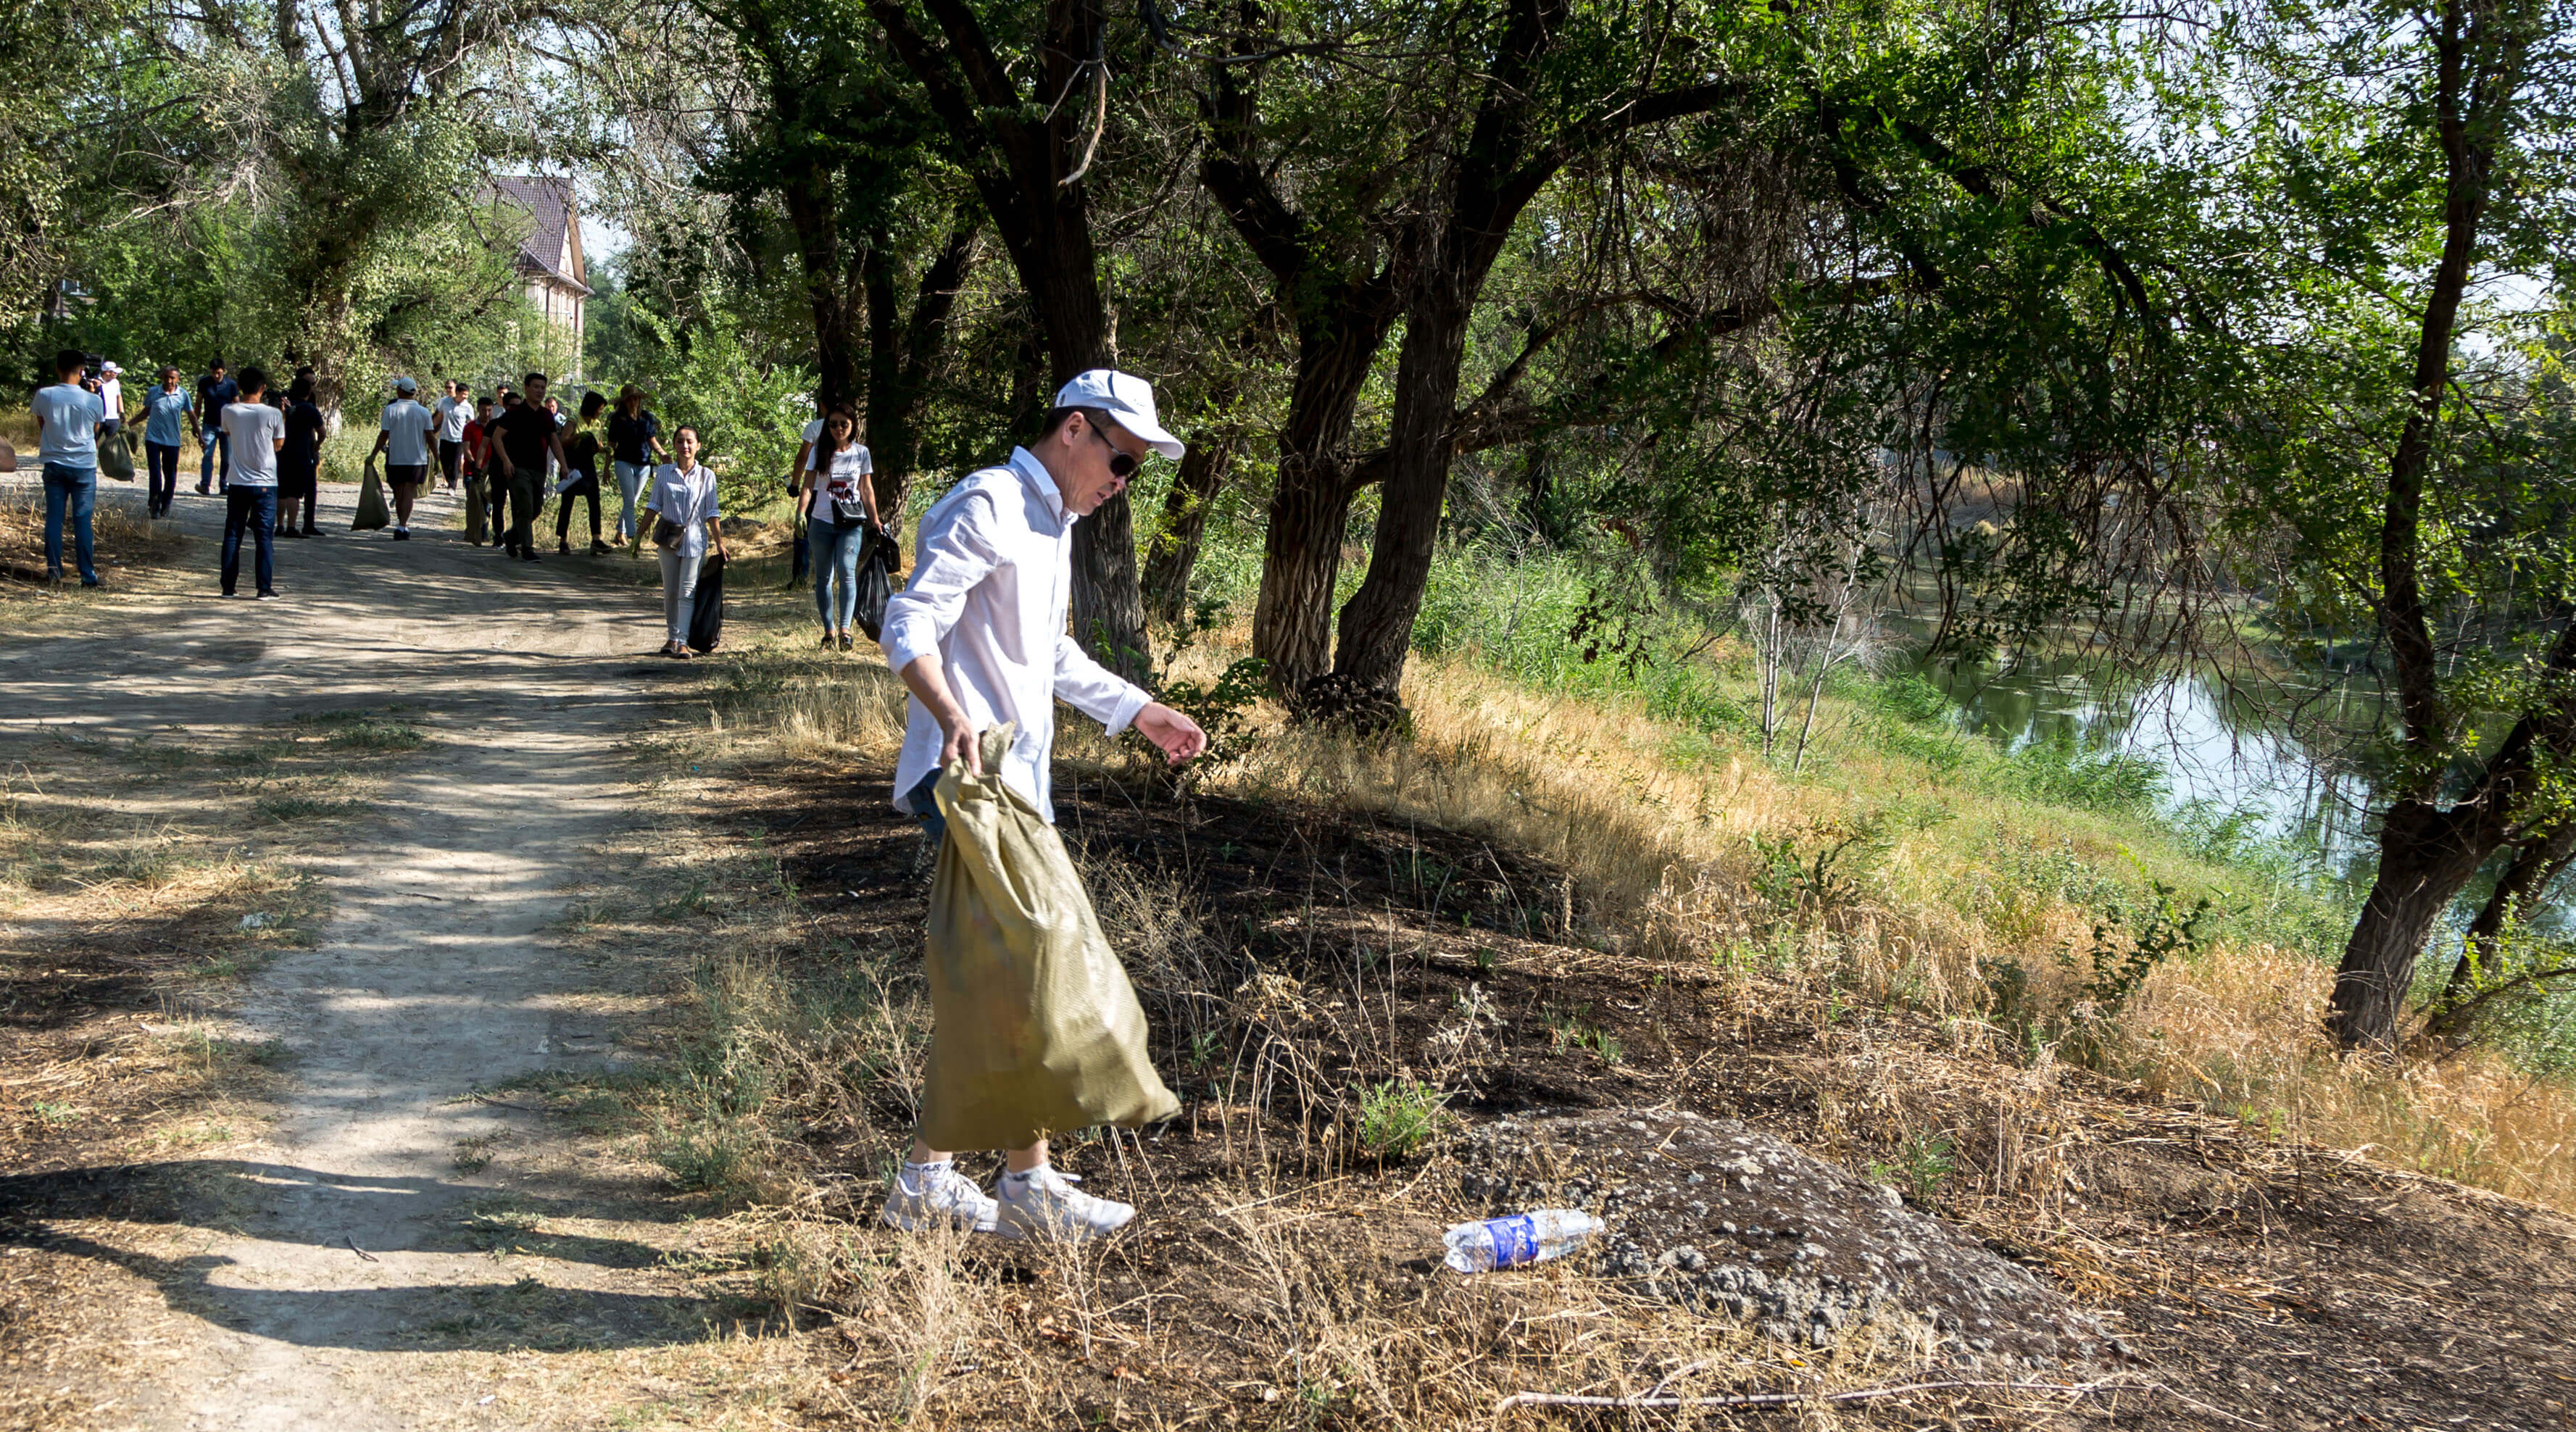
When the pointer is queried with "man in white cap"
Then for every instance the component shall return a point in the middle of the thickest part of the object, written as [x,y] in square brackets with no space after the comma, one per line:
[978,635]
[111,398]
[402,435]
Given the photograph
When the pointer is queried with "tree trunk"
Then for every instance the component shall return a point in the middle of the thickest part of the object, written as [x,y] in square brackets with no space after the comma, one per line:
[903,352]
[1377,626]
[1185,512]
[1025,149]
[1301,557]
[835,300]
[2517,893]
[2426,855]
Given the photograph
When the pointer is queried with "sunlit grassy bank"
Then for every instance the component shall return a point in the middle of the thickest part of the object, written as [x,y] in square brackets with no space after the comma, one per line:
[2041,899]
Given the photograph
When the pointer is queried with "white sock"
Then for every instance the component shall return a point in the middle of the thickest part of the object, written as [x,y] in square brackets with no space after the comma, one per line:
[916,1176]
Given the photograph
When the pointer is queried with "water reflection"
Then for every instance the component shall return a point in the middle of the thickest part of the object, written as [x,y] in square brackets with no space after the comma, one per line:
[2225,753]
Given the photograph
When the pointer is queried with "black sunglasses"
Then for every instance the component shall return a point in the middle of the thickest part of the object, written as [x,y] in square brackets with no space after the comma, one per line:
[1121,463]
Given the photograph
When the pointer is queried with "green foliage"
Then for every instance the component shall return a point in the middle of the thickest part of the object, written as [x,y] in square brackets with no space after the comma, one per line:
[1223,708]
[749,413]
[1924,1163]
[2062,773]
[1398,1116]
[1573,1029]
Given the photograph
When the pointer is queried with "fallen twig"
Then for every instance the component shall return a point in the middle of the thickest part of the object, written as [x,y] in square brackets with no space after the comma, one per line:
[1792,1399]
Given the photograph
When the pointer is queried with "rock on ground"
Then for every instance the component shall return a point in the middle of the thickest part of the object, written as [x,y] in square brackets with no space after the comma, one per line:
[1721,1217]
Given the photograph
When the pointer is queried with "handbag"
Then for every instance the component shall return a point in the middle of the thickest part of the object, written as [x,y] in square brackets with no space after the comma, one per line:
[666,533]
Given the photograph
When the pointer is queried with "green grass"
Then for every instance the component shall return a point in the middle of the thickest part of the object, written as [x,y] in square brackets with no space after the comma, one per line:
[1397,1117]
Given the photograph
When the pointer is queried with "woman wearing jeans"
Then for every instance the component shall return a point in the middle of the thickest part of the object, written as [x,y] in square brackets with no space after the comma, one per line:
[634,439]
[165,422]
[683,504]
[840,511]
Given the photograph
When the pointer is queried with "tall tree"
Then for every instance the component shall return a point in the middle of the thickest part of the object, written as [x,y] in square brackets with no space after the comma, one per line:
[844,148]
[1027,131]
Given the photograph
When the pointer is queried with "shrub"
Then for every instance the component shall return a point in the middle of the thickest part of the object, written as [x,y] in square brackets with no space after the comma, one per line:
[1399,1116]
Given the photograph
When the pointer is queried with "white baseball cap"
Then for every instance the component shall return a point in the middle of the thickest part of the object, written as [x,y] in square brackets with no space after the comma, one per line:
[109,368]
[406,385]
[1125,397]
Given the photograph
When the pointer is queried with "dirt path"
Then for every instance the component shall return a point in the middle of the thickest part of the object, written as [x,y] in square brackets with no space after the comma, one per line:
[340,1237]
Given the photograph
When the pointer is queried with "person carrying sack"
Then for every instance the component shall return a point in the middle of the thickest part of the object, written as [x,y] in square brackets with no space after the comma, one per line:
[1036,1029]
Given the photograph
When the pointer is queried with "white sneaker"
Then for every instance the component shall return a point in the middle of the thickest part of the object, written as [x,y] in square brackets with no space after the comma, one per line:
[1045,1204]
[938,1194]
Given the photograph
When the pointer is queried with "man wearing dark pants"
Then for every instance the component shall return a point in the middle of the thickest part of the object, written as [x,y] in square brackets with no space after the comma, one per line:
[68,420]
[166,412]
[254,434]
[524,437]
[454,412]
[214,391]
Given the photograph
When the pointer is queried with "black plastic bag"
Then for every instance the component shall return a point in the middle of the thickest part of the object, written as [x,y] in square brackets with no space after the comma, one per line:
[706,620]
[876,580]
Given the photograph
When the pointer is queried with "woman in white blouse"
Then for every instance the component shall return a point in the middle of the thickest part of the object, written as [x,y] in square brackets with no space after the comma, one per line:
[683,504]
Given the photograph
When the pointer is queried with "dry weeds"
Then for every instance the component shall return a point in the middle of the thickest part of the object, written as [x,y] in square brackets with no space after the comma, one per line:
[124,540]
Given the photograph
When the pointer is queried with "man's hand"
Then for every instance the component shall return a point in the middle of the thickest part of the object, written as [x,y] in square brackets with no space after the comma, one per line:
[927,681]
[1179,737]
[957,742]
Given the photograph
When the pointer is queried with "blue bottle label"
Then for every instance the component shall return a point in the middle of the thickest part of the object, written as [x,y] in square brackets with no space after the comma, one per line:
[1515,1240]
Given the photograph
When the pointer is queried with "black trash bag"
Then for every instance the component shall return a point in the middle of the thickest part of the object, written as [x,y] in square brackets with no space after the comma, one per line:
[877,561]
[706,620]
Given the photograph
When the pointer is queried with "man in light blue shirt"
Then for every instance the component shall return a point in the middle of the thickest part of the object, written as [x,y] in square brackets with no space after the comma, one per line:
[166,410]
[67,423]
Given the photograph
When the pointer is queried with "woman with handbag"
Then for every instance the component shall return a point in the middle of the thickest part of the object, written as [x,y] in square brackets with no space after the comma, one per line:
[686,520]
[840,506]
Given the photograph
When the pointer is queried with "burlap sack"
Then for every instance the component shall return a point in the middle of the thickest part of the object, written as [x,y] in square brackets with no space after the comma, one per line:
[1038,1031]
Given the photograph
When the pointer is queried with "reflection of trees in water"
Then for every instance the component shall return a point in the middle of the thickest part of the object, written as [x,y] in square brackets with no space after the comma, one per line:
[2246,759]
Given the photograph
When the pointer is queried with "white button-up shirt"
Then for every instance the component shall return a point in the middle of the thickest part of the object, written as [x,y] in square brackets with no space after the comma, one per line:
[991,580]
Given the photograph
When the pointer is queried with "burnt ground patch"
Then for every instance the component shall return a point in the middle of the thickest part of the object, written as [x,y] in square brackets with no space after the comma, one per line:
[2261,1282]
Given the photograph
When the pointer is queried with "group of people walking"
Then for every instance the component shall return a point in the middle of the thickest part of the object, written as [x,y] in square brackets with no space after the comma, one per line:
[261,451]
[978,636]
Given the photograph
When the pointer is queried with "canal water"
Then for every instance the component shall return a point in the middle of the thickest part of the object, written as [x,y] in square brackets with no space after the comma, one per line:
[2229,754]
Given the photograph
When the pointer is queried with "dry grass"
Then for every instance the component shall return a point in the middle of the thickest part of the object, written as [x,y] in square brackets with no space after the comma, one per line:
[1961,903]
[138,881]
[1929,907]
[124,541]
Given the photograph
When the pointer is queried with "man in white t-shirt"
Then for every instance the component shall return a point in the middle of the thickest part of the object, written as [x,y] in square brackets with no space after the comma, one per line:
[402,435]
[111,398]
[254,432]
[68,419]
[454,412]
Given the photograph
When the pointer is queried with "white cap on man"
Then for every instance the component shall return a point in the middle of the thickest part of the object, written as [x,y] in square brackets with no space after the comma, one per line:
[406,386]
[1126,398]
[109,369]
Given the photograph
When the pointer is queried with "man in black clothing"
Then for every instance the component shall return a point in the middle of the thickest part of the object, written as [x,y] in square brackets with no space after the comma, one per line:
[214,390]
[523,436]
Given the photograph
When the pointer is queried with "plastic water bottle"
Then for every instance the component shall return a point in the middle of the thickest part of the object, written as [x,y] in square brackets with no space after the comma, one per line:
[1532,1237]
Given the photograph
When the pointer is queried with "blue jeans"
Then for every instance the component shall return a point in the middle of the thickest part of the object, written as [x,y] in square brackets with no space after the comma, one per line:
[163,459]
[218,446]
[836,553]
[75,488]
[253,509]
[925,808]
